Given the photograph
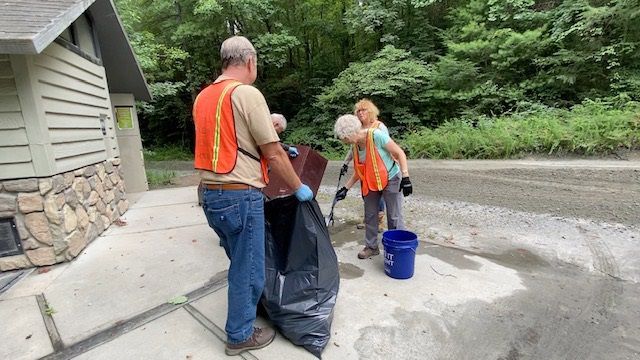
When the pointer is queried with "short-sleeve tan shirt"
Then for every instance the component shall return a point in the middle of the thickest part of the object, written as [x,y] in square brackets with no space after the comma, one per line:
[253,128]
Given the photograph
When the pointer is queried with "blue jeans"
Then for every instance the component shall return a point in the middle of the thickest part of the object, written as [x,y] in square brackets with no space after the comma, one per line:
[237,216]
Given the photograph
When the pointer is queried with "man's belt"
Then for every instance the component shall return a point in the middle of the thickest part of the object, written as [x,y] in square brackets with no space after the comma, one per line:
[232,186]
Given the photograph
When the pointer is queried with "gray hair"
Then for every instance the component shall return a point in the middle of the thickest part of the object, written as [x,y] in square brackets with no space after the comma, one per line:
[281,119]
[236,50]
[346,125]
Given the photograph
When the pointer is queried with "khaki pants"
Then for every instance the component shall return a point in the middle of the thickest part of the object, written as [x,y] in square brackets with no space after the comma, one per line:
[393,199]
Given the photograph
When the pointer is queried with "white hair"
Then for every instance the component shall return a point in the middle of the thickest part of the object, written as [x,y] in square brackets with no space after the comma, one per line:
[281,119]
[236,50]
[346,125]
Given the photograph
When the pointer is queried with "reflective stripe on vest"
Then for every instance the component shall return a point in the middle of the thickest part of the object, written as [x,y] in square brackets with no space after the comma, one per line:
[216,142]
[216,137]
[373,174]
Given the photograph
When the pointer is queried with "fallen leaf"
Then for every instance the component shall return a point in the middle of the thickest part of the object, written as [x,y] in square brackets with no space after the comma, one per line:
[336,344]
[141,275]
[28,336]
[120,222]
[44,270]
[194,241]
[178,300]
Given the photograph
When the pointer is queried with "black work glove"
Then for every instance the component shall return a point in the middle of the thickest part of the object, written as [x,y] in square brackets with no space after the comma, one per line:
[405,186]
[342,193]
[344,169]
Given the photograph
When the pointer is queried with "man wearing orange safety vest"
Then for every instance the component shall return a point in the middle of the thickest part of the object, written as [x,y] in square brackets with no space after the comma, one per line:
[235,143]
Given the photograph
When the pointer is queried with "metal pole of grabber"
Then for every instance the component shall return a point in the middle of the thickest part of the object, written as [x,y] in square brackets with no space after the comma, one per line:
[335,199]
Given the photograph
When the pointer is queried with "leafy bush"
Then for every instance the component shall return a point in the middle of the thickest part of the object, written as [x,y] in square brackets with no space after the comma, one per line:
[588,129]
[157,178]
[395,80]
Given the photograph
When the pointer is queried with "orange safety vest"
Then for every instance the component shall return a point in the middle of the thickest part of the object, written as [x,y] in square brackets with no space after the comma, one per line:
[216,141]
[373,174]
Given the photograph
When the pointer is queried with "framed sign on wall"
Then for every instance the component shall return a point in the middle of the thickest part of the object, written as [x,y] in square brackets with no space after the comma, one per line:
[124,117]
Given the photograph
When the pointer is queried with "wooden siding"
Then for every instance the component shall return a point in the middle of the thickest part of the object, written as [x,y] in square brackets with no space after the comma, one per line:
[15,156]
[74,96]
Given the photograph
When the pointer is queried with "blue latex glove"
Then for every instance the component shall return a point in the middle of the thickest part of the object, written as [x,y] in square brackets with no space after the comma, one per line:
[293,151]
[304,193]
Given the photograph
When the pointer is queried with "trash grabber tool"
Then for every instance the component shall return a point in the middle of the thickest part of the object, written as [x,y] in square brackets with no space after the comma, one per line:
[343,171]
[330,218]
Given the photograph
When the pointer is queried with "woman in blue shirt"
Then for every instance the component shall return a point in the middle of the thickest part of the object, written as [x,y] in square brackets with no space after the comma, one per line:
[382,168]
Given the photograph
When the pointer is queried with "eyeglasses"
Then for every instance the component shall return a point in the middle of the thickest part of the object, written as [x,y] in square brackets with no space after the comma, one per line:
[361,110]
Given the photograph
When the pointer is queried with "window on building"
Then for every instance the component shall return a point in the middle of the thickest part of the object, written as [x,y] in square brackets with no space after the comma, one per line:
[85,35]
[66,35]
[81,37]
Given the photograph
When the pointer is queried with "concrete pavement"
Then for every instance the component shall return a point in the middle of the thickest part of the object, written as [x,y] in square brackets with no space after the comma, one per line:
[112,301]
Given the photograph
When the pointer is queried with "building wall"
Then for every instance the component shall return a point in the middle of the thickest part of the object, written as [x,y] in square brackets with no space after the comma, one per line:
[15,155]
[54,107]
[130,144]
[76,104]
[57,216]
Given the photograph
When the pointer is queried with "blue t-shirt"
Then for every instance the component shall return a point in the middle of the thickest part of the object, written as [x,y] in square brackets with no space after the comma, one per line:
[381,138]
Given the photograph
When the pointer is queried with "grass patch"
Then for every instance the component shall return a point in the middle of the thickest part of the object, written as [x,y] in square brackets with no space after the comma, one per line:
[168,152]
[159,177]
[589,129]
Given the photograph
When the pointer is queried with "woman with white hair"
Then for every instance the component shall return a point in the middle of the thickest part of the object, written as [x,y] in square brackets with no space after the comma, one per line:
[367,112]
[382,168]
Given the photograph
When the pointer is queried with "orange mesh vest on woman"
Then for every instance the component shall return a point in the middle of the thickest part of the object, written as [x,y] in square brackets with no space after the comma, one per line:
[372,173]
[216,141]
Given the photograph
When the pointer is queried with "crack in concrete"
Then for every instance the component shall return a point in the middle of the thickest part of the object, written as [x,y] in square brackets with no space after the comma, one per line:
[216,283]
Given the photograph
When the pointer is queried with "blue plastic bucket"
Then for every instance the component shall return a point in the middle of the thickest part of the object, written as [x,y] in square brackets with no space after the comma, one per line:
[399,253]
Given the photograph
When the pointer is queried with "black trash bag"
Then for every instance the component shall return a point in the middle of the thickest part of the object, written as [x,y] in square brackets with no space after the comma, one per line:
[302,278]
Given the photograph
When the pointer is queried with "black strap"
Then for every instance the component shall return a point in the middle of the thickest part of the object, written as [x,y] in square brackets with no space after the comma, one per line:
[248,154]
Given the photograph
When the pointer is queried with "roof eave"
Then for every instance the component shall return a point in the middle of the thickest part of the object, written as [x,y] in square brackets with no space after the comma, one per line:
[123,71]
[37,43]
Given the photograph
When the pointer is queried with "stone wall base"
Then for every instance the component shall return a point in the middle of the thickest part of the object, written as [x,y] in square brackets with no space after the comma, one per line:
[58,216]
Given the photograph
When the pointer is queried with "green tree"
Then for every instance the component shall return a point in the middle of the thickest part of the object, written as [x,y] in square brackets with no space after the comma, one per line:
[423,62]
